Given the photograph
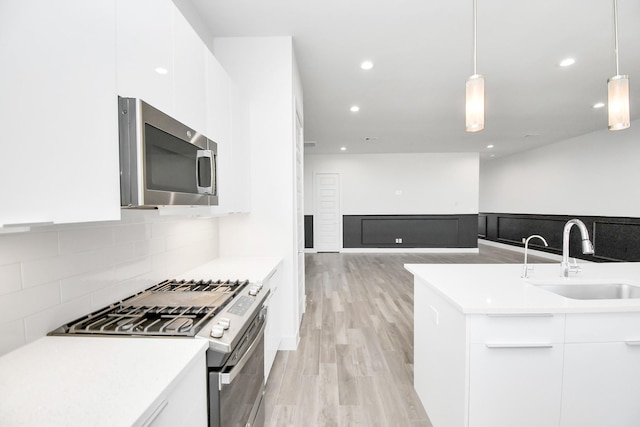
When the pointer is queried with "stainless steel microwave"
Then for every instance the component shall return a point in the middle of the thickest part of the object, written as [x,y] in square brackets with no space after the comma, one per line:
[162,161]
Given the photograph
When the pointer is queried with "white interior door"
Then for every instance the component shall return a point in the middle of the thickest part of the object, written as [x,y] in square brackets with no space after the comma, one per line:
[327,224]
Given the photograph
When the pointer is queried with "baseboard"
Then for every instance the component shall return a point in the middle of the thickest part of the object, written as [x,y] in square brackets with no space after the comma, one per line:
[411,250]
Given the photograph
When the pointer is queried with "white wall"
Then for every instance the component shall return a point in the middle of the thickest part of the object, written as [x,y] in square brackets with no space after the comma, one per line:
[429,183]
[593,174]
[56,274]
[264,67]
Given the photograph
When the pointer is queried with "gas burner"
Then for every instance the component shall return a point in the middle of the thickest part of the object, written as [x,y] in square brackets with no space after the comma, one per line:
[170,308]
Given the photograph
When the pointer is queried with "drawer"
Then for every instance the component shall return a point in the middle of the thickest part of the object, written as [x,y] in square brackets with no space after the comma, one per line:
[603,327]
[516,328]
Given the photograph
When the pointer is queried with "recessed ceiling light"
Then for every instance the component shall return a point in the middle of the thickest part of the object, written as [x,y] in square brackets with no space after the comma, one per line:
[567,62]
[598,105]
[490,146]
[343,148]
[366,65]
[161,70]
[355,109]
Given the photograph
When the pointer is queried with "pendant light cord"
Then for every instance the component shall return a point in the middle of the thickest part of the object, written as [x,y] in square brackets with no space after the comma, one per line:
[615,32]
[475,37]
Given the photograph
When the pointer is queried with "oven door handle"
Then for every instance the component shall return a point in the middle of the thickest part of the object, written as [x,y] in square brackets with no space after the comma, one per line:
[229,377]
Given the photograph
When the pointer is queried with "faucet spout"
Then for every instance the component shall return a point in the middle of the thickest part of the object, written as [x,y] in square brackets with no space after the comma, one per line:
[526,268]
[587,246]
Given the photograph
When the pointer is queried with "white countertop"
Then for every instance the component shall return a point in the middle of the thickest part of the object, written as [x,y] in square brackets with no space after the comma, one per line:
[255,269]
[499,288]
[90,381]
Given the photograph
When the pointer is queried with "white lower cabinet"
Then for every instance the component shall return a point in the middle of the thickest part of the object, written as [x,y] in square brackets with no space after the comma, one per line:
[515,385]
[273,328]
[515,370]
[185,403]
[601,379]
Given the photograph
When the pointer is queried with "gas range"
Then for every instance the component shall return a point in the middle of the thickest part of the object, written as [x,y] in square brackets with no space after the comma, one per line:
[217,310]
[231,315]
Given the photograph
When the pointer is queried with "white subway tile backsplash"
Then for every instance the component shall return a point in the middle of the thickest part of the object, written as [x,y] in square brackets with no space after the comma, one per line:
[59,273]
[10,280]
[127,233]
[84,284]
[25,302]
[132,269]
[84,239]
[27,246]
[11,336]
[40,324]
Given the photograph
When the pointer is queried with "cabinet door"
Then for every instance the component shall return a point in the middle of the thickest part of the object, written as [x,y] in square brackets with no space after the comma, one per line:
[601,385]
[219,130]
[185,404]
[189,53]
[516,385]
[58,110]
[145,52]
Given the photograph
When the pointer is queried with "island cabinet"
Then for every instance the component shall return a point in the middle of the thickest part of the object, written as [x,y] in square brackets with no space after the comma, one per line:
[601,379]
[486,370]
[516,359]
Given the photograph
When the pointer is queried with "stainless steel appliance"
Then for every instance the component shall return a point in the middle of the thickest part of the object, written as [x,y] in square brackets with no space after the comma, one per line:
[162,161]
[230,314]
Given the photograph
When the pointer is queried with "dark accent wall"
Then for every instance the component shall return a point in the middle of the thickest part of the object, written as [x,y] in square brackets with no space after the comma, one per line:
[416,231]
[308,231]
[614,238]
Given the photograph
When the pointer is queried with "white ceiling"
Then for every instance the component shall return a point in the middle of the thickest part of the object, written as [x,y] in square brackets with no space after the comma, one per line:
[413,99]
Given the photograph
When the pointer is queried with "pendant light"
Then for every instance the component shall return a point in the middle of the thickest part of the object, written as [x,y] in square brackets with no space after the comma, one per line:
[475,88]
[618,87]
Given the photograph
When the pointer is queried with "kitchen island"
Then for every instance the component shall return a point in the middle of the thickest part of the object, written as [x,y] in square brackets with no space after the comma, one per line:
[494,349]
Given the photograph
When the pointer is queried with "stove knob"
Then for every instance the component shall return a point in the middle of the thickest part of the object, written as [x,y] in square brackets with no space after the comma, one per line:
[217,331]
[253,291]
[259,286]
[225,323]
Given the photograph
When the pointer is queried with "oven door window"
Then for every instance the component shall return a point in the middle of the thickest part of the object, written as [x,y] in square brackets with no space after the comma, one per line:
[170,162]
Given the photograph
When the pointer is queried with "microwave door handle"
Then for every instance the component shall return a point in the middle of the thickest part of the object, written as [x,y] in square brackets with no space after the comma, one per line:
[201,154]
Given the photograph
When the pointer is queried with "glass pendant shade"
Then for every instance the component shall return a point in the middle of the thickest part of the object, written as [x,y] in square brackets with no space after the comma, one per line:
[618,88]
[475,103]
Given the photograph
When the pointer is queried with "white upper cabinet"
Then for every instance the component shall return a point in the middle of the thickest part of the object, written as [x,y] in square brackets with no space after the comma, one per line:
[218,98]
[240,122]
[145,52]
[161,60]
[189,62]
[58,112]
[228,126]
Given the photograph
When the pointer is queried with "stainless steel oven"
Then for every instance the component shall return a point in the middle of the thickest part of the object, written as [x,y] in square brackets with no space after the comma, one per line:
[236,390]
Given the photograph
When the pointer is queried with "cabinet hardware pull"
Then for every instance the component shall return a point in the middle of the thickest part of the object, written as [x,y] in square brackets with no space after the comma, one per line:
[524,345]
[633,343]
[519,314]
[155,414]
[28,224]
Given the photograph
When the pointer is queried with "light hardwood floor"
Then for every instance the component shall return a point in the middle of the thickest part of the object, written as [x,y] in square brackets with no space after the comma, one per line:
[354,363]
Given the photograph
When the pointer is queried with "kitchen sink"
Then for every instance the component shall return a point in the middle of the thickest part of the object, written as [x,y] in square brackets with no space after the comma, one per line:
[592,290]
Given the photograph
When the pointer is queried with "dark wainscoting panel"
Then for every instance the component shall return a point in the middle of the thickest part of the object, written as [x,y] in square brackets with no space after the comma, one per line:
[614,238]
[415,231]
[308,231]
